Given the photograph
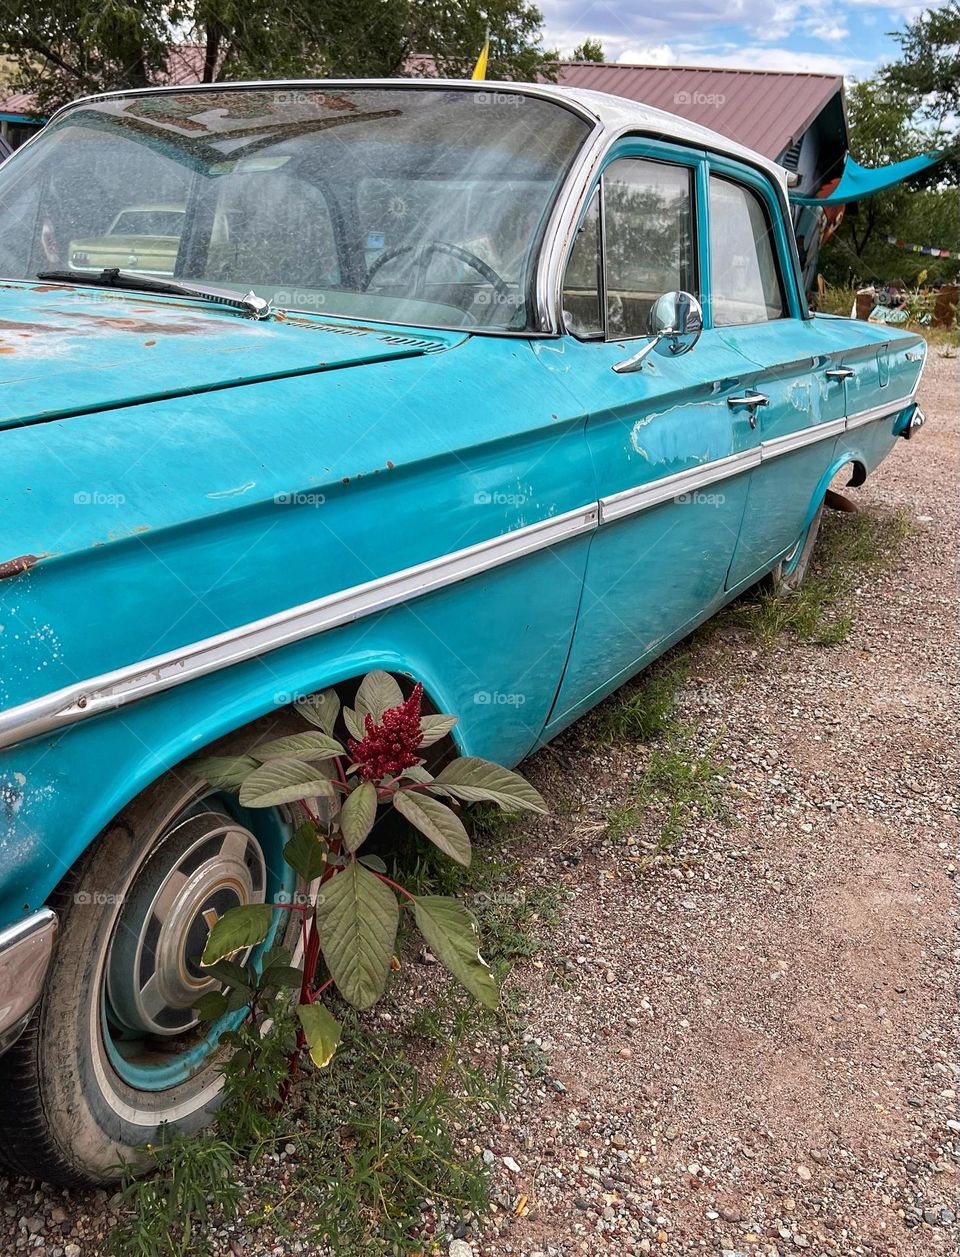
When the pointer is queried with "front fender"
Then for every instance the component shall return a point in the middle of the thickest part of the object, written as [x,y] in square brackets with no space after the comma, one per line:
[480,649]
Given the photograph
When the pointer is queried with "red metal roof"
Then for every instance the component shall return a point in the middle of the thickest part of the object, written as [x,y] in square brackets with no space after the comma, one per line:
[767,110]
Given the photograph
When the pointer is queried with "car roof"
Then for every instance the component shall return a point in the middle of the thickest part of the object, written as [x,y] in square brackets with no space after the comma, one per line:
[614,114]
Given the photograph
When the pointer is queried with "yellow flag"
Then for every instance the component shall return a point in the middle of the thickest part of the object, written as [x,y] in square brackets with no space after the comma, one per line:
[480,69]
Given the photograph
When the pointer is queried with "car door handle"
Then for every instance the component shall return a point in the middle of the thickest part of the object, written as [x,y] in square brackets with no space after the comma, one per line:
[751,401]
[840,373]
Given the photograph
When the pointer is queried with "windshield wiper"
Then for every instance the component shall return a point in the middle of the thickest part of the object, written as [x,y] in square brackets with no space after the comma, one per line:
[113,277]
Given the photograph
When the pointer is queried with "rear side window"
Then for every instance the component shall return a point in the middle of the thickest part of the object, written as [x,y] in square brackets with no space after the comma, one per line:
[745,285]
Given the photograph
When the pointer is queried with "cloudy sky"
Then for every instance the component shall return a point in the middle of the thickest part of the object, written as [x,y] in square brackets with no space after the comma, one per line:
[835,36]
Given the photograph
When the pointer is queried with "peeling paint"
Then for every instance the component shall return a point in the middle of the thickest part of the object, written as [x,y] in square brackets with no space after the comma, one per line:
[234,493]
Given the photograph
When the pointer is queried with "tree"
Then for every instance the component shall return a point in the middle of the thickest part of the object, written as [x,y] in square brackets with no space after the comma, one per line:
[68,48]
[929,69]
[589,50]
[884,128]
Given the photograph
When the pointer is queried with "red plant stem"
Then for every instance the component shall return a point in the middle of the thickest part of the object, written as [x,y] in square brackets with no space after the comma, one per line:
[383,878]
[313,996]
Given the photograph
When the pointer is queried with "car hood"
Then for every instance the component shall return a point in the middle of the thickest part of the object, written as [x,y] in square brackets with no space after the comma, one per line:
[66,350]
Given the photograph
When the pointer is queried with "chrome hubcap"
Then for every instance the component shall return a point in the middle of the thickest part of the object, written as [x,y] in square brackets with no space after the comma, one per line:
[207,864]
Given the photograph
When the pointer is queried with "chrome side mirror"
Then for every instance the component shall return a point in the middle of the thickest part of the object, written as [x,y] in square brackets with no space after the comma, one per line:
[674,325]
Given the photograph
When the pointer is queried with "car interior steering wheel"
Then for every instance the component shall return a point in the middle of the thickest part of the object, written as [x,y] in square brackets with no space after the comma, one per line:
[423,251]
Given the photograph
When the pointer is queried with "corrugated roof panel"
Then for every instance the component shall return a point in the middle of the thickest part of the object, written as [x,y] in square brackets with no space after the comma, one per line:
[766,110]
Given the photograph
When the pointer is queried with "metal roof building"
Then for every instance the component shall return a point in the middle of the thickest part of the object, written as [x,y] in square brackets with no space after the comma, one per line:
[798,120]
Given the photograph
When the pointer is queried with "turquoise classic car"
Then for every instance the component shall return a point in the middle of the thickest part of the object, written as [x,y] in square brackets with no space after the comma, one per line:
[499,388]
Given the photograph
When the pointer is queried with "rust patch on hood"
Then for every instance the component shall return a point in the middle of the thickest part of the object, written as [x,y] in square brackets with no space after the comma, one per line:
[22,563]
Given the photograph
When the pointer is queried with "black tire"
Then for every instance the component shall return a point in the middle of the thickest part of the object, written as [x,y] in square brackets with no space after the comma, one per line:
[790,572]
[67,1116]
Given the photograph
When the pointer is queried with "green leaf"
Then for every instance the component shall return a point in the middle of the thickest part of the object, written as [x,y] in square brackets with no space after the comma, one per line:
[378,692]
[284,781]
[320,709]
[211,1006]
[281,977]
[230,974]
[302,746]
[373,862]
[435,820]
[451,935]
[322,1032]
[433,728]
[354,723]
[306,852]
[479,780]
[227,772]
[416,772]
[357,917]
[238,929]
[357,815]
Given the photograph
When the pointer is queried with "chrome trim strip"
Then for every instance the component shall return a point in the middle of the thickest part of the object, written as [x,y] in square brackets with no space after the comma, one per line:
[804,436]
[887,410]
[25,951]
[162,672]
[641,498]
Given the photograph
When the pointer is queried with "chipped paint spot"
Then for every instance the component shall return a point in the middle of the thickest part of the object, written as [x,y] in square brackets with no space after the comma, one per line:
[234,493]
[13,567]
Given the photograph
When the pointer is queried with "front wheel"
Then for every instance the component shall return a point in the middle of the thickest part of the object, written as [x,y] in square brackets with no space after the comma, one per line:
[114,1049]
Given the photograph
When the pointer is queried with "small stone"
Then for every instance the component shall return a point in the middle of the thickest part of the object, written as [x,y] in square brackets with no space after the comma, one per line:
[581,1203]
[731,1215]
[290,1149]
[34,1225]
[71,1250]
[512,1165]
[625,1053]
[804,1173]
[618,1141]
[459,1248]
[488,1157]
[58,1215]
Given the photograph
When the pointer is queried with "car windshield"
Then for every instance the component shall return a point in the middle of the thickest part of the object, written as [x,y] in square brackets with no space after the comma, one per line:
[401,204]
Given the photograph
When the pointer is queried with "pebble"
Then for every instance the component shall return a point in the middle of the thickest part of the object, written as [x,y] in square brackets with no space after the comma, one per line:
[459,1248]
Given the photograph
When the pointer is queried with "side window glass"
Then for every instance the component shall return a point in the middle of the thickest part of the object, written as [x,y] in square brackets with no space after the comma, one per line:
[648,240]
[582,311]
[744,281]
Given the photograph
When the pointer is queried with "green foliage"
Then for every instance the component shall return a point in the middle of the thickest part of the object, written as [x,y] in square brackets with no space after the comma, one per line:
[928,71]
[383,1139]
[849,547]
[683,783]
[357,918]
[647,710]
[237,930]
[885,127]
[354,920]
[70,48]
[168,1211]
[451,933]
[589,50]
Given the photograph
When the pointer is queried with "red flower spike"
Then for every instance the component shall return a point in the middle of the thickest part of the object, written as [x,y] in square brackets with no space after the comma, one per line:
[391,746]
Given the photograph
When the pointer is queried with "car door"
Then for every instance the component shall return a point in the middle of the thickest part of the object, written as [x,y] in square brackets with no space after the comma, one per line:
[794,383]
[671,457]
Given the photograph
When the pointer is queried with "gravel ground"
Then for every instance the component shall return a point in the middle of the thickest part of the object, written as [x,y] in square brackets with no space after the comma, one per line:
[753,1049]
